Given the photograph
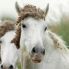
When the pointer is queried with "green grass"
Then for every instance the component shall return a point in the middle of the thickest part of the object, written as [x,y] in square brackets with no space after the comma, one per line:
[18,65]
[64,31]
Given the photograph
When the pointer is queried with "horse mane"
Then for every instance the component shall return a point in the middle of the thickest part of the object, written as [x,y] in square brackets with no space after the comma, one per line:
[16,39]
[58,42]
[6,26]
[32,11]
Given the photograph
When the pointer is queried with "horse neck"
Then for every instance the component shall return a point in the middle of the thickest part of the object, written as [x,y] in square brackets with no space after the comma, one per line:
[55,46]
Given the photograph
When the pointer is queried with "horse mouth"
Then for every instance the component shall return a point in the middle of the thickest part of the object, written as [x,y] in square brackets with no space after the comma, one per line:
[36,60]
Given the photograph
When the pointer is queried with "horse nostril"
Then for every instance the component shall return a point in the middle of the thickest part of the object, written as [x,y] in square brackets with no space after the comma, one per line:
[1,66]
[11,67]
[43,51]
[33,50]
[38,50]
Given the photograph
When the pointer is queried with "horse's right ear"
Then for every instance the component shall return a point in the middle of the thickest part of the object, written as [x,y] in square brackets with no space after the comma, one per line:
[18,9]
[47,9]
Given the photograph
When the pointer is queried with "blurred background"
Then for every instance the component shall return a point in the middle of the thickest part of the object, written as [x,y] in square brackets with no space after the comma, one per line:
[57,17]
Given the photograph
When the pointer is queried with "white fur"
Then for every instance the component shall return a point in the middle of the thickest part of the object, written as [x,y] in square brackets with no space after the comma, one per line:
[56,56]
[9,52]
[56,53]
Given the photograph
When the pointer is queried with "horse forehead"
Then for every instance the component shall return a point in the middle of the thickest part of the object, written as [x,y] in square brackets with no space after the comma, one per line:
[32,21]
[8,36]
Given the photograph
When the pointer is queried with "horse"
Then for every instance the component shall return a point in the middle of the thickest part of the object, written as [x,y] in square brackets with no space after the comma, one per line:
[40,48]
[9,49]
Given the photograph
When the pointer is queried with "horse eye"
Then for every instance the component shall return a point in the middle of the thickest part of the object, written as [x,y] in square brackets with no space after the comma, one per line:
[45,29]
[23,25]
[0,41]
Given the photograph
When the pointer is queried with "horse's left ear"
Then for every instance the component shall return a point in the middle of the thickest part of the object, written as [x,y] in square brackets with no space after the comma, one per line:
[46,10]
[18,8]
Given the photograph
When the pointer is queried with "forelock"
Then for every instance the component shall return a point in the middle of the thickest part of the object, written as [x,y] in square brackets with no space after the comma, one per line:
[31,11]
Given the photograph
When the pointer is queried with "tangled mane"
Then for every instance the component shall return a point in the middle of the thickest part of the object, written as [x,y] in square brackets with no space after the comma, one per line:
[32,11]
[16,39]
[6,26]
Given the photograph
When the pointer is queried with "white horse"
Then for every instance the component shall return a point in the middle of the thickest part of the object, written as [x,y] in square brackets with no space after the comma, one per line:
[40,48]
[9,50]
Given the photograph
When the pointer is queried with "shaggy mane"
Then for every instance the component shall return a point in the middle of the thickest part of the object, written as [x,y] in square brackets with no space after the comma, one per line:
[58,42]
[16,39]
[6,26]
[30,10]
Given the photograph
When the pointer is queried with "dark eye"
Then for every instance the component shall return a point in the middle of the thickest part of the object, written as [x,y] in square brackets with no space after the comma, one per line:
[24,26]
[45,29]
[0,41]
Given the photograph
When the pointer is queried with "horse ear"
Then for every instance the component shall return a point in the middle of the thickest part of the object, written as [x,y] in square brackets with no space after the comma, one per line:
[46,10]
[18,9]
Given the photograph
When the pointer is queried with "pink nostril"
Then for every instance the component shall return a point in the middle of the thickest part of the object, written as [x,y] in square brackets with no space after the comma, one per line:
[43,52]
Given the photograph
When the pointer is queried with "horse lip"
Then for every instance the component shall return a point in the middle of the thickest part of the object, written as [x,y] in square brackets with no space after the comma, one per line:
[36,60]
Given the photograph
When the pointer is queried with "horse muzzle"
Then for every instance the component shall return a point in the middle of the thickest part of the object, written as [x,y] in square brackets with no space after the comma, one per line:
[36,58]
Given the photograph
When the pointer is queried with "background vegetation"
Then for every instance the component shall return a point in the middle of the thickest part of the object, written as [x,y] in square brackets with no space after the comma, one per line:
[62,29]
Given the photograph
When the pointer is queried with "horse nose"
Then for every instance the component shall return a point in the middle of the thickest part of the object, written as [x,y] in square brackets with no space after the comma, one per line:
[1,66]
[11,67]
[38,50]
